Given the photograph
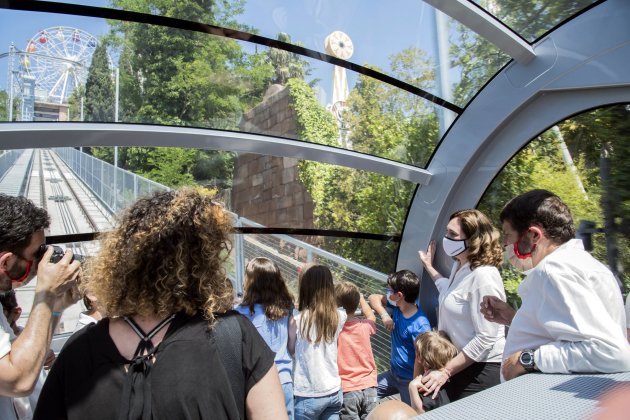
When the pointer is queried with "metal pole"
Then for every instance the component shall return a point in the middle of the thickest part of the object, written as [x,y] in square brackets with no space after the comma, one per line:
[116,76]
[442,64]
[11,58]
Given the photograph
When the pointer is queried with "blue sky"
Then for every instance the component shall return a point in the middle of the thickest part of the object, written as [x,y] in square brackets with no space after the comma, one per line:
[378,28]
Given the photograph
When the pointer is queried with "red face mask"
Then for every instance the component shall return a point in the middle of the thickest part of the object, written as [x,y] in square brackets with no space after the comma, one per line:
[522,256]
[29,265]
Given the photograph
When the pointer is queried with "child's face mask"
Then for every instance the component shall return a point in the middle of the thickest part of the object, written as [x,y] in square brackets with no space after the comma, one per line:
[388,295]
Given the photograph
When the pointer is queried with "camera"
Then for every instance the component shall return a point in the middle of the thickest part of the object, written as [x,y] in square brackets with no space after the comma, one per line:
[57,254]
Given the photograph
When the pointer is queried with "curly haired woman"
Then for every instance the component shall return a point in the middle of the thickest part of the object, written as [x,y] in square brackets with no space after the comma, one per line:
[159,354]
[474,243]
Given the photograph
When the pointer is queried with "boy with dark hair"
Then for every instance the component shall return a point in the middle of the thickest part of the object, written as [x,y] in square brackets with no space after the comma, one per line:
[355,359]
[405,320]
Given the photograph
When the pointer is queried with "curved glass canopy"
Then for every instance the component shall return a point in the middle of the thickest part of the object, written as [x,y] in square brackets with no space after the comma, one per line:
[375,86]
[419,66]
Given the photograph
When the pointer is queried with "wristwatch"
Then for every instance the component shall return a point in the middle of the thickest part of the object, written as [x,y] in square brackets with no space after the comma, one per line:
[526,359]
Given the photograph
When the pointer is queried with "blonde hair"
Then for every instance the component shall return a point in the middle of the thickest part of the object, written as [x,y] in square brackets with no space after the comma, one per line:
[317,303]
[165,256]
[434,349]
[482,238]
[264,285]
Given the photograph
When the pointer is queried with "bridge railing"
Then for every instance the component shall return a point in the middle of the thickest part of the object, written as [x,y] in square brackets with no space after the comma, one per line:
[116,188]
[7,159]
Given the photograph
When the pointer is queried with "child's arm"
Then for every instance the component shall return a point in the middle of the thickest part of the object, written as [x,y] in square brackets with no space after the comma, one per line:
[378,304]
[365,308]
[292,335]
[415,387]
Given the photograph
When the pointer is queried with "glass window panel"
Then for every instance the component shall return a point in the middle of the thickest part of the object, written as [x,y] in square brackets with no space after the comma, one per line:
[377,31]
[83,190]
[531,19]
[591,177]
[175,77]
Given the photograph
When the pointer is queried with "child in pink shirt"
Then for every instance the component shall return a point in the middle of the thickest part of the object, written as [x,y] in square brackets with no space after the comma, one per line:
[355,360]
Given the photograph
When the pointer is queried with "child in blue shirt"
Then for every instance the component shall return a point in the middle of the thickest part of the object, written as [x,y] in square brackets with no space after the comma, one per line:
[405,320]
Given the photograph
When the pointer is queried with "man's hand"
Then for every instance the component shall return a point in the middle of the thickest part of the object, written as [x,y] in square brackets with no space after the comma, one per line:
[495,310]
[434,380]
[57,278]
[68,298]
[388,322]
[511,367]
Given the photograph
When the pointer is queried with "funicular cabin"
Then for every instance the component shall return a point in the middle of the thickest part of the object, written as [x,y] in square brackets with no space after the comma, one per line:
[340,132]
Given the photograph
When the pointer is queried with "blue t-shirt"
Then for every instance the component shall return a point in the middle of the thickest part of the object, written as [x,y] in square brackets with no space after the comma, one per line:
[276,335]
[403,336]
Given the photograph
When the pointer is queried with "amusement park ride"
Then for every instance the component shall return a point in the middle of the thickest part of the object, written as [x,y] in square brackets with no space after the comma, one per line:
[44,75]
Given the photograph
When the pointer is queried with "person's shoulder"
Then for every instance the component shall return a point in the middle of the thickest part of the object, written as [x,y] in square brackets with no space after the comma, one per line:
[486,270]
[87,337]
[570,260]
[486,274]
[366,324]
[419,321]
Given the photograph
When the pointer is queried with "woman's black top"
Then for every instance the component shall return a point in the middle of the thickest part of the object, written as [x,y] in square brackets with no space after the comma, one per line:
[187,378]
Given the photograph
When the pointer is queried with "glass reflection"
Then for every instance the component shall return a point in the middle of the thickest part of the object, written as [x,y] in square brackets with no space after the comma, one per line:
[532,18]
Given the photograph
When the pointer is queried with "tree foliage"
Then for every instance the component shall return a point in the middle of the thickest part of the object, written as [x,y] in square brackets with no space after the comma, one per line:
[383,121]
[287,65]
[99,88]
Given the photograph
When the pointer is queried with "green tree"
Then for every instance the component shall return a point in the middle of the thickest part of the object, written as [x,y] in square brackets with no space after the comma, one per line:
[99,88]
[287,65]
[4,105]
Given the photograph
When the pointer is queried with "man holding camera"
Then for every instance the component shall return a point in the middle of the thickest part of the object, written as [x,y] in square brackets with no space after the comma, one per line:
[22,227]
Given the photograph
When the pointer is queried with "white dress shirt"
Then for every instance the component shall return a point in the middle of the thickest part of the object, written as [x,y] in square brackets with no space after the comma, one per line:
[459,316]
[572,315]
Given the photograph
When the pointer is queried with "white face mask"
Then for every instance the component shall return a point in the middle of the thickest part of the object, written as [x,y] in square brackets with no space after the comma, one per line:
[521,264]
[388,295]
[453,247]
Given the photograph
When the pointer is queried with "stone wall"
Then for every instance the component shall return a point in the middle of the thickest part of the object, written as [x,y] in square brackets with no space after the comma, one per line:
[266,189]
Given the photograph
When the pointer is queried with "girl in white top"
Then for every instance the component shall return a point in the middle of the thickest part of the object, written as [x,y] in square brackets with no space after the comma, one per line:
[475,246]
[316,381]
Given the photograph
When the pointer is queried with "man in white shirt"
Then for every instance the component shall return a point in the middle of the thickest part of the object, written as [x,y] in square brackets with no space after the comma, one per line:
[22,227]
[572,318]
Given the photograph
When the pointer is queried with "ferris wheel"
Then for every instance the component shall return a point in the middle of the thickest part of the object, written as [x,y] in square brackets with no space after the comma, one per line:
[57,59]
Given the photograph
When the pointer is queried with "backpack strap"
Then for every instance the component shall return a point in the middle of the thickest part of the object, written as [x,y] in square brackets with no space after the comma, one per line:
[228,338]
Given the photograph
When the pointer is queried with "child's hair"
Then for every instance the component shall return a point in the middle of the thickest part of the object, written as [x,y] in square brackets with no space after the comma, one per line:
[264,285]
[434,349]
[348,296]
[317,303]
[407,283]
